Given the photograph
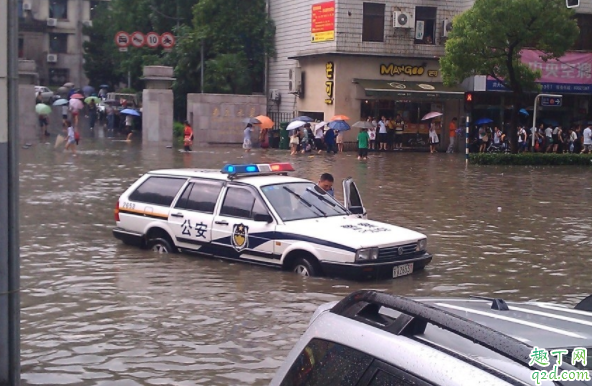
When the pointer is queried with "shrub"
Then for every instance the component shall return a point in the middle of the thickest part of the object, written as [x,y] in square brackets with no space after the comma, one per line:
[530,159]
[178,130]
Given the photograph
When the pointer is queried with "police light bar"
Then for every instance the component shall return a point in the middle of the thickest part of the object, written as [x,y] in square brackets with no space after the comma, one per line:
[278,167]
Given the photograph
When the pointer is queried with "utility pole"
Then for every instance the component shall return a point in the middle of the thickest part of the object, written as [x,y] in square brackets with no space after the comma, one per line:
[9,248]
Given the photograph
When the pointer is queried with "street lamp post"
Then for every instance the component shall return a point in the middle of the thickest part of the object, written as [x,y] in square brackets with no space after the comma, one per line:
[534,114]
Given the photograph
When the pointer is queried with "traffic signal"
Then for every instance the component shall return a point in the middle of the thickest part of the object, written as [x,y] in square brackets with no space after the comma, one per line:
[572,3]
[469,98]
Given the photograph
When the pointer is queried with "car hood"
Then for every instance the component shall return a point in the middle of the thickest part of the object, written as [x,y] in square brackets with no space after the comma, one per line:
[353,232]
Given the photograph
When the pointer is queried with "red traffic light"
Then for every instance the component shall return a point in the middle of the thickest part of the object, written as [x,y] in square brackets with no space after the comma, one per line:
[468,97]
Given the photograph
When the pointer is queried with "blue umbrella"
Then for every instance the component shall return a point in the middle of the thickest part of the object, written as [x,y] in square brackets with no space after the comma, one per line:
[88,90]
[130,112]
[523,111]
[303,118]
[339,125]
[483,121]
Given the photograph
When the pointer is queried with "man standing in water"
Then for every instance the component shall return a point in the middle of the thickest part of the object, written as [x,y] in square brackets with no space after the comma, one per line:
[451,135]
[247,138]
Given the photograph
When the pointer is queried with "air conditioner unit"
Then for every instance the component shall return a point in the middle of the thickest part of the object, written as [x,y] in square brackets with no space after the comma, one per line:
[52,58]
[274,95]
[446,27]
[87,23]
[403,19]
[52,22]
[294,80]
[26,6]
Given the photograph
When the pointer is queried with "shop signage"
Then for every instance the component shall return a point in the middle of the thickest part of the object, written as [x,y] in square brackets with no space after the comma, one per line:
[322,27]
[394,69]
[329,68]
[571,73]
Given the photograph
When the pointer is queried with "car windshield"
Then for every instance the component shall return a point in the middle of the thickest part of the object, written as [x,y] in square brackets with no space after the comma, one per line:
[301,201]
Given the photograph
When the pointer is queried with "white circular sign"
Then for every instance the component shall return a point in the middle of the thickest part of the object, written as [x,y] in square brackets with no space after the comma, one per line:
[122,39]
[167,40]
[138,39]
[152,39]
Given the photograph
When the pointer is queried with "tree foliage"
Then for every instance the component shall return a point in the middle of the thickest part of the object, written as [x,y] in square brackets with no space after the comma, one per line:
[236,36]
[488,38]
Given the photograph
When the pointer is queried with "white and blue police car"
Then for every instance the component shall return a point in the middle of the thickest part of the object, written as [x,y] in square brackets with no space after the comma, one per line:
[258,214]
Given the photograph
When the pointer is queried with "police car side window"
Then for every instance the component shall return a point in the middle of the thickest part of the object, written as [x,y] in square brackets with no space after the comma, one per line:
[238,203]
[326,363]
[158,191]
[200,196]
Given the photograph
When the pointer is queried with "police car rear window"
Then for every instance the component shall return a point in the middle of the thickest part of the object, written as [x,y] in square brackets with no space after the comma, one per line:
[158,191]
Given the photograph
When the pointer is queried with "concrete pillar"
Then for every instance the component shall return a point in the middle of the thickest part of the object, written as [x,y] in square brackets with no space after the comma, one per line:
[28,78]
[157,104]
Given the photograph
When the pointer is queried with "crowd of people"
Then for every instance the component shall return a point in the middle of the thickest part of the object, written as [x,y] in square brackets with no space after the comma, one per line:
[546,139]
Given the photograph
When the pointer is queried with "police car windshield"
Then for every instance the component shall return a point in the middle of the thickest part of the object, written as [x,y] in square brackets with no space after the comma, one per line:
[300,201]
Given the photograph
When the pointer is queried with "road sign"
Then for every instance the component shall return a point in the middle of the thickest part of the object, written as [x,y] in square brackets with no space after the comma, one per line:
[122,39]
[138,39]
[167,40]
[550,101]
[152,39]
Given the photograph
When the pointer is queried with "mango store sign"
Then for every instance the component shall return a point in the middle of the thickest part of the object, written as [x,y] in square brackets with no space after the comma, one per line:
[392,69]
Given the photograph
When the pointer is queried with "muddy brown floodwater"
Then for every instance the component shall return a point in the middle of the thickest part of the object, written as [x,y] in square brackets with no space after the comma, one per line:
[97,312]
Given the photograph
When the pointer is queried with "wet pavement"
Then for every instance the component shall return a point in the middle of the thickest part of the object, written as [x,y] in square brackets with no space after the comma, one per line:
[97,312]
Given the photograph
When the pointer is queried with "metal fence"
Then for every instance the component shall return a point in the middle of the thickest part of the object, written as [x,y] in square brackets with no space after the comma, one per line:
[279,117]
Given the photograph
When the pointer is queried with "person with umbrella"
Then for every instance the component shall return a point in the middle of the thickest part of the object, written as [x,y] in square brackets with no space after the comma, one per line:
[43,124]
[92,113]
[129,123]
[330,141]
[187,136]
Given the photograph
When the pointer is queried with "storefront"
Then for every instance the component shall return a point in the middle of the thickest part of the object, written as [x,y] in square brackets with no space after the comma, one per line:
[364,86]
[569,76]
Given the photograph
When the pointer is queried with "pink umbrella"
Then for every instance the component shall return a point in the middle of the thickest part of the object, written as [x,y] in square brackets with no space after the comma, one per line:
[431,115]
[76,104]
[77,96]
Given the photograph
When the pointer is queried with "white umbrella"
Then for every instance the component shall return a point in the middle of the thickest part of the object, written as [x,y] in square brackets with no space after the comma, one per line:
[363,125]
[431,115]
[320,124]
[295,125]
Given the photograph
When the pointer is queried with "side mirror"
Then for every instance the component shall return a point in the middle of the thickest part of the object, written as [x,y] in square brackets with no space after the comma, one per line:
[260,217]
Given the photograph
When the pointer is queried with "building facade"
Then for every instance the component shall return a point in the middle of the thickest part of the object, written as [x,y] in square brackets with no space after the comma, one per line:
[371,58]
[50,33]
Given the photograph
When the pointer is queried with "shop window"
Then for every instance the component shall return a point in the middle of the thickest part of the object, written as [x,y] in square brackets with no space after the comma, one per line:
[21,47]
[584,40]
[58,9]
[58,43]
[58,76]
[425,25]
[373,23]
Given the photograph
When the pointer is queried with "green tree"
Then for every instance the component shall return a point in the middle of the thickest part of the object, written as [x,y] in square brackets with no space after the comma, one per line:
[237,35]
[488,38]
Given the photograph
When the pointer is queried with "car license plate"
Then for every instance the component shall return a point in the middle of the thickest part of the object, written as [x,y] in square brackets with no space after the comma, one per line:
[402,270]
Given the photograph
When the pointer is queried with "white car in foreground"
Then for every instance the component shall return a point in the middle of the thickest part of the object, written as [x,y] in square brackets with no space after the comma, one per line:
[258,214]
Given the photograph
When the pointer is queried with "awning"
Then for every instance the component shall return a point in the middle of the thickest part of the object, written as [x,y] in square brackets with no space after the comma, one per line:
[409,90]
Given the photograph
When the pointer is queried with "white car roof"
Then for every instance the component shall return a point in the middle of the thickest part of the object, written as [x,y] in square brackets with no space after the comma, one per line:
[254,179]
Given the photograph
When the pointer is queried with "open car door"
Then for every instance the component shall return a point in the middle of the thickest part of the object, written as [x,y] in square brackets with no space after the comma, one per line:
[352,199]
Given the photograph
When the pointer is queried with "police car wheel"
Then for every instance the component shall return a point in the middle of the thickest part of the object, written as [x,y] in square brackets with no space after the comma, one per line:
[160,245]
[304,267]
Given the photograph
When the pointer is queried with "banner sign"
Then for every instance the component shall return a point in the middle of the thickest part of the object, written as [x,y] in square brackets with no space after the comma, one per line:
[572,73]
[322,27]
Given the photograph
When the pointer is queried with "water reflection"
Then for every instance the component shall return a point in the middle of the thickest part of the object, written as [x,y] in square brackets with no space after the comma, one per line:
[96,312]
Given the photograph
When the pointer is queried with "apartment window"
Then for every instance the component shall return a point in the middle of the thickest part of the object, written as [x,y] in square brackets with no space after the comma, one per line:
[58,43]
[584,40]
[373,23]
[425,25]
[21,47]
[58,9]
[20,9]
[95,6]
[58,76]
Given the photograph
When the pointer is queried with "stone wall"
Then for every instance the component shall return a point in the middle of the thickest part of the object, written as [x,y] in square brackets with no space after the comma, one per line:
[216,118]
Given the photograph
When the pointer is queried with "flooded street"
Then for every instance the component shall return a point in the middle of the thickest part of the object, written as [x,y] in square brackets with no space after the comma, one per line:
[97,312]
